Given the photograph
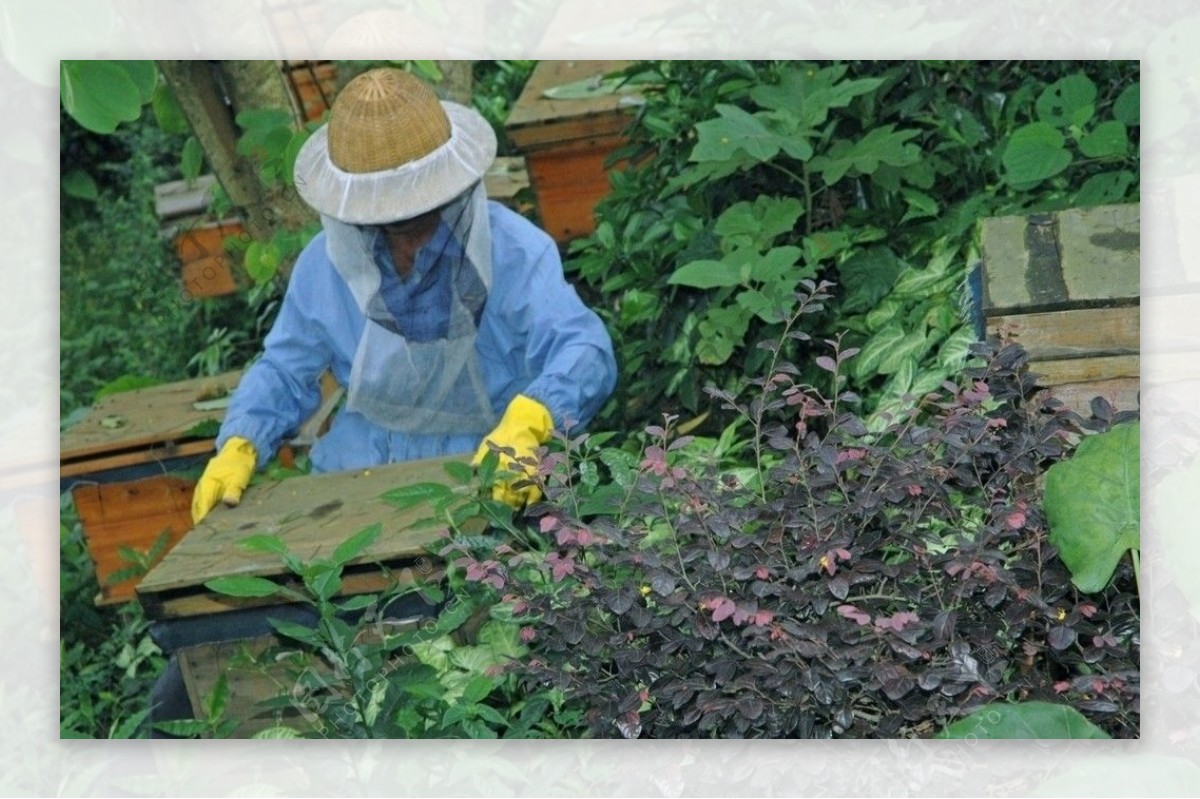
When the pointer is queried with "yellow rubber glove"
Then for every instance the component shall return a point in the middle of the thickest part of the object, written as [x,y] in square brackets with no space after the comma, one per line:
[225,477]
[525,426]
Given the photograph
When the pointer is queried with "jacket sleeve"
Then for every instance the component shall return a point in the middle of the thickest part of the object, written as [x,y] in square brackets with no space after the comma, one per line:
[282,388]
[568,351]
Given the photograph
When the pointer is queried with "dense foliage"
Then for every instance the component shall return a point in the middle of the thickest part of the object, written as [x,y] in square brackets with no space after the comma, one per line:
[748,177]
[850,584]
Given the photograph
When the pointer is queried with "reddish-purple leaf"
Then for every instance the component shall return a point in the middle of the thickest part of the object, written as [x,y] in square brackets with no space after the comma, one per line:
[854,614]
[827,363]
[723,608]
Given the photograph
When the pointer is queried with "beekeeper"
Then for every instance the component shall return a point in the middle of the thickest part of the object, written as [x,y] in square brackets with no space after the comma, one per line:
[446,316]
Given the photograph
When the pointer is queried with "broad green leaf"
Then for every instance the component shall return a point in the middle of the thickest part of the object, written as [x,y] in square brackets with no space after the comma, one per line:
[412,495]
[127,383]
[1092,505]
[882,145]
[183,728]
[866,364]
[735,131]
[79,184]
[1106,140]
[353,546]
[296,631]
[823,245]
[1128,106]
[706,274]
[1023,720]
[192,159]
[244,586]
[99,95]
[324,580]
[144,75]
[867,276]
[167,111]
[1067,101]
[462,472]
[1034,152]
[920,205]
[778,265]
[809,93]
[905,351]
[721,331]
[758,223]
[1106,188]
[477,689]
[262,260]
[502,638]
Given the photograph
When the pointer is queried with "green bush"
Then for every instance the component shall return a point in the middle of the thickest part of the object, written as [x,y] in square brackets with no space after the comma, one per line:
[748,177]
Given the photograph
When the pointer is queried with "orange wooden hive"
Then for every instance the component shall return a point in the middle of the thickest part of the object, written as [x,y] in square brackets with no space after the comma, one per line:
[199,241]
[566,143]
[129,434]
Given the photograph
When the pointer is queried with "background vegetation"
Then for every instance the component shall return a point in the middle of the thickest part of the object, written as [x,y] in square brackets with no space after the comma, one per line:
[748,182]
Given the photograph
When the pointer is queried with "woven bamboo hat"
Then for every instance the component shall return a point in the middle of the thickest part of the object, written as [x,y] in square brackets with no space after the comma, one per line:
[392,151]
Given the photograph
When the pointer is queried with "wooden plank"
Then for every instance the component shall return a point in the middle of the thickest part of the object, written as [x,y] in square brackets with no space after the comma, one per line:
[538,121]
[1086,332]
[1076,258]
[505,178]
[312,515]
[145,417]
[179,197]
[1085,370]
[166,452]
[1123,393]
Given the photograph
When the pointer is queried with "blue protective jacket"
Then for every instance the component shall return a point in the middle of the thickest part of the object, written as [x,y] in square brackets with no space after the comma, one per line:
[536,337]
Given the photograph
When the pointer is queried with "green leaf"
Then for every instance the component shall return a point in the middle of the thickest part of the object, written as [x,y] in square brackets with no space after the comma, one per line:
[128,728]
[778,265]
[217,699]
[167,111]
[263,119]
[296,631]
[99,95]
[144,75]
[410,496]
[757,224]
[79,184]
[1034,152]
[263,542]
[1106,188]
[735,131]
[183,728]
[706,274]
[1092,505]
[882,145]
[1128,107]
[905,351]
[245,586]
[868,276]
[812,92]
[462,472]
[477,689]
[192,159]
[1067,101]
[920,205]
[262,260]
[1106,140]
[324,580]
[353,546]
[126,382]
[866,364]
[1023,720]
[721,330]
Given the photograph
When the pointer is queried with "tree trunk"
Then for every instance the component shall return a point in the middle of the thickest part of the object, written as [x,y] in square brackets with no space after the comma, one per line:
[211,94]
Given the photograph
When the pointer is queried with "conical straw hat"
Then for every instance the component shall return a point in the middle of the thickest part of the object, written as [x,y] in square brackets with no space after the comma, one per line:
[385,118]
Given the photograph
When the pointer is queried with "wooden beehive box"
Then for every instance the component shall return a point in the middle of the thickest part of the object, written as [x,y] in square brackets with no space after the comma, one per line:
[206,269]
[1066,286]
[142,430]
[312,515]
[566,143]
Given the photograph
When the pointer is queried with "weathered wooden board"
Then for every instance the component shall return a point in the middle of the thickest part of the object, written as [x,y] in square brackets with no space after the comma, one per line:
[181,197]
[1084,332]
[505,179]
[312,515]
[141,419]
[1123,393]
[1085,370]
[1074,258]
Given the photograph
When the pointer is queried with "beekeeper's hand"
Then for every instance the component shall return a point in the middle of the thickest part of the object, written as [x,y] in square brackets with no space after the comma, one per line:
[525,426]
[225,477]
